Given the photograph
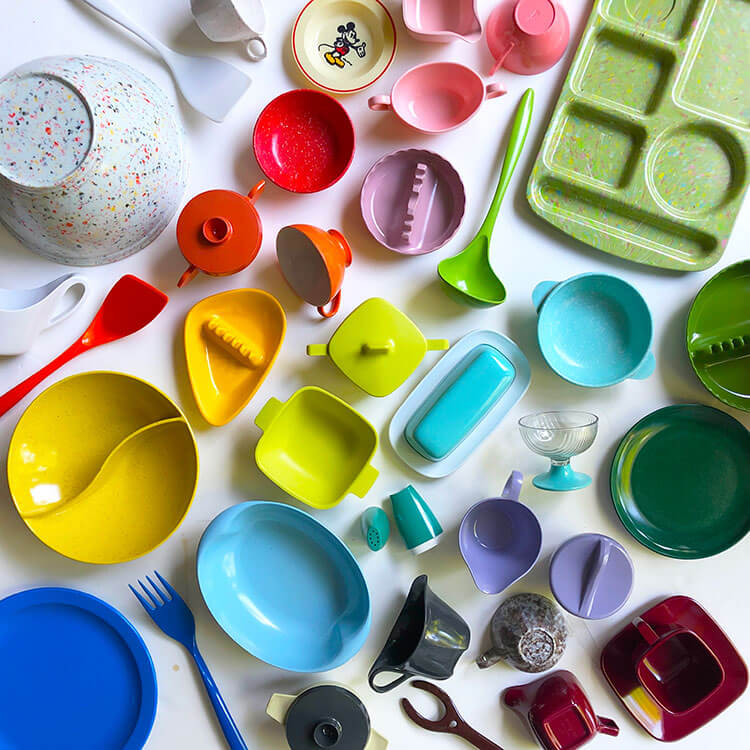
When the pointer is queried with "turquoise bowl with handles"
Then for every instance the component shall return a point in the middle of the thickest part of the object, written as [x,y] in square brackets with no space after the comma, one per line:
[594,329]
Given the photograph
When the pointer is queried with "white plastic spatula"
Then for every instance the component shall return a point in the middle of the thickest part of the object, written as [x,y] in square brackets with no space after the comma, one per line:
[211,86]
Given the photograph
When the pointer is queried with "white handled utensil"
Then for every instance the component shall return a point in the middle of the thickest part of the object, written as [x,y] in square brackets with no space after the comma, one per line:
[209,85]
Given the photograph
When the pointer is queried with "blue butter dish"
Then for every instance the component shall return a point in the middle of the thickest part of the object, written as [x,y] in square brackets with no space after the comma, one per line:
[459,403]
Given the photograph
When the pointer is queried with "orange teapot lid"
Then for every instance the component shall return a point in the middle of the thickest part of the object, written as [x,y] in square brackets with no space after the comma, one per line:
[219,232]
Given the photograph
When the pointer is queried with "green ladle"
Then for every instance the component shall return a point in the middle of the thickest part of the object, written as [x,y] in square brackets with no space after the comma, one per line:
[468,276]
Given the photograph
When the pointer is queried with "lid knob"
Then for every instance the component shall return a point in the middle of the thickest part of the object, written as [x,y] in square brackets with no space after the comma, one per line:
[327,733]
[217,229]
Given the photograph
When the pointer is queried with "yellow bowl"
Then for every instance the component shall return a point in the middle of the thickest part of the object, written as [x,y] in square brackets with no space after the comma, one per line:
[88,479]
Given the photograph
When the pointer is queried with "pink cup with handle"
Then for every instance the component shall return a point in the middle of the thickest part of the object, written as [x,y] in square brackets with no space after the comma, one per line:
[436,97]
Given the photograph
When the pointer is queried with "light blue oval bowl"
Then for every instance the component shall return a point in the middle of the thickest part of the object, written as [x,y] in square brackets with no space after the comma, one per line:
[284,587]
[594,329]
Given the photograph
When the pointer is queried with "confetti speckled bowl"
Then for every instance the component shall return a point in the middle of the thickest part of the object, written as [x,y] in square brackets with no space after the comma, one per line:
[93,164]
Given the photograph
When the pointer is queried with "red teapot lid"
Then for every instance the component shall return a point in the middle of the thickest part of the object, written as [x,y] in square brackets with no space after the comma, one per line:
[219,232]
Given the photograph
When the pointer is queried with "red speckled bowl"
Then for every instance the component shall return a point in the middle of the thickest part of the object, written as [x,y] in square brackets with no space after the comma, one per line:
[304,141]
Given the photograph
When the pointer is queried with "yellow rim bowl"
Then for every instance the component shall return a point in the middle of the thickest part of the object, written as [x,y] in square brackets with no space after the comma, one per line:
[86,477]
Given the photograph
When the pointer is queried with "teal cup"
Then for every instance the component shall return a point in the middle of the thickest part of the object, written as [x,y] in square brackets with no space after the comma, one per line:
[417,524]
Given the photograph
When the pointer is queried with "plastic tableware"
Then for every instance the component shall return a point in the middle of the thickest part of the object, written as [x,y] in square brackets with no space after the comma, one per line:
[450,721]
[233,21]
[325,716]
[591,576]
[680,481]
[646,154]
[436,97]
[219,232]
[415,521]
[718,335]
[89,662]
[442,20]
[108,191]
[232,340]
[116,454]
[468,277]
[594,330]
[377,347]
[376,528]
[129,305]
[459,403]
[316,447]
[412,201]
[427,640]
[528,632]
[283,587]
[557,712]
[173,617]
[313,263]
[674,669]
[304,141]
[559,435]
[527,36]
[25,313]
[344,46]
[500,539]
[209,85]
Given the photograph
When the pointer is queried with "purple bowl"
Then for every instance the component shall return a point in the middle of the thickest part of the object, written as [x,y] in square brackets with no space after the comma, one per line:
[412,201]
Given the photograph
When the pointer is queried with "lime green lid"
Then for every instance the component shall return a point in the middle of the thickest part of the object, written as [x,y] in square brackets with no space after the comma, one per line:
[377,347]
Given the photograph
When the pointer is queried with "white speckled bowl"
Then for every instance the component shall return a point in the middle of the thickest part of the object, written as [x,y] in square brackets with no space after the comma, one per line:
[93,163]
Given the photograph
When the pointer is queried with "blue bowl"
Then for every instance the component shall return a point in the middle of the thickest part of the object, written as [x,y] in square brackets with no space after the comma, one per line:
[594,329]
[284,587]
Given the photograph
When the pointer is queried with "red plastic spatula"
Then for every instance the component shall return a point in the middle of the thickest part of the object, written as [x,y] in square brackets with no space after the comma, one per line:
[130,305]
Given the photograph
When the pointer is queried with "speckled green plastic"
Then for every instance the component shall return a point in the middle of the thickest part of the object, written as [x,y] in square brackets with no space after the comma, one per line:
[718,335]
[646,155]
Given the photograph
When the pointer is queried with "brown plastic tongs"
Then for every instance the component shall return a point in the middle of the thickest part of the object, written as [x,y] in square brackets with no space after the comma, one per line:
[450,722]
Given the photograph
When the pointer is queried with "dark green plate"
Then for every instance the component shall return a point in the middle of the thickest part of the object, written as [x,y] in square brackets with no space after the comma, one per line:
[680,481]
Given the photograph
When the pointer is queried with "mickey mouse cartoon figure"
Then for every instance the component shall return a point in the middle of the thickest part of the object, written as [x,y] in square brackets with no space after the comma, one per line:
[345,41]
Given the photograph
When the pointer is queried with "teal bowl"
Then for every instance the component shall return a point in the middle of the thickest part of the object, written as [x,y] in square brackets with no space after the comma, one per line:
[594,330]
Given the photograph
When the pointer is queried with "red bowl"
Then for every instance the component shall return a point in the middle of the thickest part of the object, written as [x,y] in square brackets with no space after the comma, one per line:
[304,141]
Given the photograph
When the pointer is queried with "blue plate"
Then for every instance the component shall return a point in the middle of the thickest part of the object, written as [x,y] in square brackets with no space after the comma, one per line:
[284,587]
[76,674]
[594,329]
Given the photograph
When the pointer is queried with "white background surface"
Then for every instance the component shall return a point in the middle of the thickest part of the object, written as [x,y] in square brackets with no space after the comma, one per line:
[525,251]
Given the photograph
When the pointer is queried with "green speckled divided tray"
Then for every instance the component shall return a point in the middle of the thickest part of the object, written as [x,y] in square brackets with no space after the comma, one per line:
[646,156]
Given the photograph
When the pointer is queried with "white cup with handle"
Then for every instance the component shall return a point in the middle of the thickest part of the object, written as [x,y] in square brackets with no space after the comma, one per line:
[233,21]
[25,313]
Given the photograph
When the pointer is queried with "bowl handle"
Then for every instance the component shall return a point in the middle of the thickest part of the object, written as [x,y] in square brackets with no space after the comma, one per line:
[256,190]
[69,309]
[379,103]
[256,48]
[268,413]
[646,368]
[493,90]
[647,632]
[438,345]
[512,489]
[364,481]
[317,350]
[541,292]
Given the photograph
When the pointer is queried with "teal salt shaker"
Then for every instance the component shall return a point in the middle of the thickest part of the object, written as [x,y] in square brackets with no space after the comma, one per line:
[375,528]
[415,520]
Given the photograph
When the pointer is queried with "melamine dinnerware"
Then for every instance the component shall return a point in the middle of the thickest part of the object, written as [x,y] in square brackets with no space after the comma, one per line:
[102,467]
[25,313]
[233,21]
[75,192]
[284,587]
[86,663]
[437,96]
[442,20]
[416,523]
[232,340]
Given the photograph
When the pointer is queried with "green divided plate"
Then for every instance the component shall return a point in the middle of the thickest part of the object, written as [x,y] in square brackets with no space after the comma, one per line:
[646,153]
[680,481]
[718,335]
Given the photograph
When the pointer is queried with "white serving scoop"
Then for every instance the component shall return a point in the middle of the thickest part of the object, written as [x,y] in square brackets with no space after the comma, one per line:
[209,85]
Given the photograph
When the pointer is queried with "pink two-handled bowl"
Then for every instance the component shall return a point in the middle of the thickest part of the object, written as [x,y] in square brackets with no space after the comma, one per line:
[436,97]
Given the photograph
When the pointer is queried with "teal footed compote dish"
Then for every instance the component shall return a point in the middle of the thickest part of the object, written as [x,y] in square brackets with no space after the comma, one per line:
[559,435]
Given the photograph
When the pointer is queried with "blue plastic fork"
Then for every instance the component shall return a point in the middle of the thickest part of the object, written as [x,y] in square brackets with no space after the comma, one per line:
[169,611]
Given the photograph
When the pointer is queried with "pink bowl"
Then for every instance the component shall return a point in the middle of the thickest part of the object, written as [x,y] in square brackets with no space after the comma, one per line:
[436,97]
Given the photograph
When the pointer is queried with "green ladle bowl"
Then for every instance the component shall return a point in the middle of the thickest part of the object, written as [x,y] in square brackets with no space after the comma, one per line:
[468,277]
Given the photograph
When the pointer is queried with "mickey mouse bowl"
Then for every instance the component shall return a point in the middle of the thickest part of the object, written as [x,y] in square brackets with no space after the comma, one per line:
[344,46]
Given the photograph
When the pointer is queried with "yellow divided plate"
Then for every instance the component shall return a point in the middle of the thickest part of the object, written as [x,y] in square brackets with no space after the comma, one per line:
[102,467]
[344,46]
[232,340]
